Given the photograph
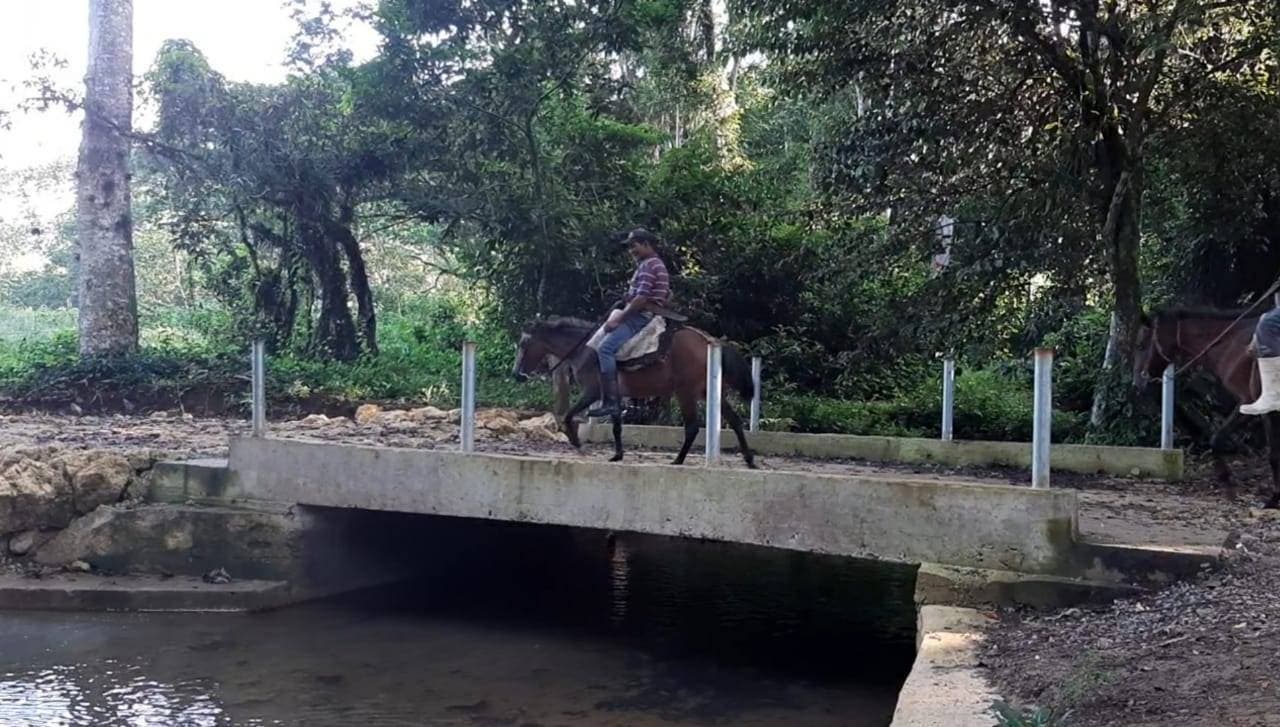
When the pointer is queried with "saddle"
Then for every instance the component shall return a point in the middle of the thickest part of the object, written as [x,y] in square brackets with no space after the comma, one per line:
[650,346]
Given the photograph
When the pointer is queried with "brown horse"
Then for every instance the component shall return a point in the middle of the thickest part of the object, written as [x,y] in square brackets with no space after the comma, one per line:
[1220,342]
[682,372]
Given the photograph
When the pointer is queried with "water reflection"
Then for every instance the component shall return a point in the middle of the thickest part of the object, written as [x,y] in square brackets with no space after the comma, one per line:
[532,626]
[97,695]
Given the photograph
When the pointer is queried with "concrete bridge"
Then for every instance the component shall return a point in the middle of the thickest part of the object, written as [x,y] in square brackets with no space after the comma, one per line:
[1008,534]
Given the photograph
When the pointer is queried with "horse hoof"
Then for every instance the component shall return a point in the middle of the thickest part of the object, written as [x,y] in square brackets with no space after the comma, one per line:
[616,458]
[677,461]
[753,466]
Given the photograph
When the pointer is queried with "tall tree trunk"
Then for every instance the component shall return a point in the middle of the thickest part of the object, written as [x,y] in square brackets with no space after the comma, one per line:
[1122,239]
[335,333]
[104,227]
[359,283]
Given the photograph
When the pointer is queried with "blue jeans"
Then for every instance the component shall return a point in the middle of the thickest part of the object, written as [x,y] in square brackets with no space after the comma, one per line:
[612,343]
[1268,334]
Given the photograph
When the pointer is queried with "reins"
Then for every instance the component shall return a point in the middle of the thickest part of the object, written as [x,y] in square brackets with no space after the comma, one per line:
[583,342]
[1217,339]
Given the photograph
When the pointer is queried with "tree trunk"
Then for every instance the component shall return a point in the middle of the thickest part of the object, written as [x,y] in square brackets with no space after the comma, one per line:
[359,284]
[1123,248]
[335,334]
[1121,238]
[108,316]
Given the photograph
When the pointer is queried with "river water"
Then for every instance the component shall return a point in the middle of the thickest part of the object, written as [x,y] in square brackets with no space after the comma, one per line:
[566,628]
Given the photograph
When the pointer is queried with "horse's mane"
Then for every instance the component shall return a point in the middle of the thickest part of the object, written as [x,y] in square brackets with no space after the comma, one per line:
[1183,313]
[560,324]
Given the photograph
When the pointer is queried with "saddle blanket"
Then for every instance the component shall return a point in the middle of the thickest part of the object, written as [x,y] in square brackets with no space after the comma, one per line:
[638,346]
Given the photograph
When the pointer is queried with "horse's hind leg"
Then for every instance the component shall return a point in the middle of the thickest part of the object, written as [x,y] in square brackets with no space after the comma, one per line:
[689,412]
[1271,424]
[735,422]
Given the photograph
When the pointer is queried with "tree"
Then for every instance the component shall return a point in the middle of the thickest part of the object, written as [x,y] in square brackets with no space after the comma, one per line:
[1031,118]
[108,315]
[266,183]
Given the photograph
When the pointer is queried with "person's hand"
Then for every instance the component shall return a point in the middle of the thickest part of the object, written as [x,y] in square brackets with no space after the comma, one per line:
[611,324]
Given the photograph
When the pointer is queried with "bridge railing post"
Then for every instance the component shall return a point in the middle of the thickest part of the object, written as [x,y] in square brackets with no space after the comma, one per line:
[258,378]
[757,368]
[468,418]
[1042,418]
[714,393]
[1166,408]
[948,398]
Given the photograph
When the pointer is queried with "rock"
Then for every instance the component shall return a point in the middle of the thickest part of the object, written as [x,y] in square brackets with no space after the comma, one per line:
[1257,513]
[367,413]
[34,494]
[487,415]
[27,541]
[315,421]
[500,425]
[542,429]
[455,416]
[78,566]
[1135,472]
[143,460]
[427,413]
[217,576]
[391,417]
[101,483]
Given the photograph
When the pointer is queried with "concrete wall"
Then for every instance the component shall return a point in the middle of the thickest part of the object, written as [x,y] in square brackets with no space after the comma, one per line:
[1086,459]
[981,526]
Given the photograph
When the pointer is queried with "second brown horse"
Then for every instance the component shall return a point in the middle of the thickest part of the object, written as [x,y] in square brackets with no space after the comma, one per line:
[1218,341]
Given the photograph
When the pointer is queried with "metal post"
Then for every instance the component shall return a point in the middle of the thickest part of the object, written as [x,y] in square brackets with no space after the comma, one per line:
[1166,408]
[714,392]
[757,367]
[948,399]
[468,396]
[1041,429]
[258,375]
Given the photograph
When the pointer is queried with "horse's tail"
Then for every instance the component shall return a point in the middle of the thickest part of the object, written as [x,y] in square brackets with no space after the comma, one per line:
[737,372]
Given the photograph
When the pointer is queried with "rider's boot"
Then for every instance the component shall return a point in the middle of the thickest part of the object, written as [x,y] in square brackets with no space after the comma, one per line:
[610,406]
[1269,370]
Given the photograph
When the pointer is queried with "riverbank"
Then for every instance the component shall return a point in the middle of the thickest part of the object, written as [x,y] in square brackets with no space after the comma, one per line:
[1202,652]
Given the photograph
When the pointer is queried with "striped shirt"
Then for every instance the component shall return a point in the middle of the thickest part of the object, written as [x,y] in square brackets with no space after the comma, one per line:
[651,282]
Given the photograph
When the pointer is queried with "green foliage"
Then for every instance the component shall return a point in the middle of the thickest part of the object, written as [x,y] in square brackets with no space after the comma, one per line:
[990,405]
[1010,716]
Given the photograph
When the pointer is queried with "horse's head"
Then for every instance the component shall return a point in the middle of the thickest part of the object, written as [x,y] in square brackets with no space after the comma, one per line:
[532,355]
[548,341]
[1153,349]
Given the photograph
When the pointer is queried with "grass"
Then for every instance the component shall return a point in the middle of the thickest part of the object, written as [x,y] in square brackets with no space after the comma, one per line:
[1010,716]
[420,362]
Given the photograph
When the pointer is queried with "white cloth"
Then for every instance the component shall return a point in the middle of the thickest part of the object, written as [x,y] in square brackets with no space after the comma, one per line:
[642,344]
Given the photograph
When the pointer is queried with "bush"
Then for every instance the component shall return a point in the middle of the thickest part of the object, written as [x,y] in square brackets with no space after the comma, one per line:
[990,404]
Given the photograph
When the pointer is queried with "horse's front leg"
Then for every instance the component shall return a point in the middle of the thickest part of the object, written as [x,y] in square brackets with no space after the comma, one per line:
[1218,449]
[571,417]
[616,419]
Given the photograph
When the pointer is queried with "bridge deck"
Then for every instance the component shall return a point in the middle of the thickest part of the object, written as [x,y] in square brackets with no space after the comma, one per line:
[1112,509]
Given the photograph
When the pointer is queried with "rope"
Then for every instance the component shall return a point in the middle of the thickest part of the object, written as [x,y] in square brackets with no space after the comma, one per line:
[1245,314]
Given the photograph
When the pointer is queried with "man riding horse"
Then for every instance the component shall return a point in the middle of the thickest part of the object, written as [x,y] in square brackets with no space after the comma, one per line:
[648,295]
[663,358]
